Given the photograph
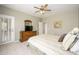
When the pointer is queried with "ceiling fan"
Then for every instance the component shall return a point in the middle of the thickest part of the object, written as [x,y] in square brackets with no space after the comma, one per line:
[42,9]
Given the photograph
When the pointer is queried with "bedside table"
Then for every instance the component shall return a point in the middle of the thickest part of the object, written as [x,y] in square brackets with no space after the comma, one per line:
[25,35]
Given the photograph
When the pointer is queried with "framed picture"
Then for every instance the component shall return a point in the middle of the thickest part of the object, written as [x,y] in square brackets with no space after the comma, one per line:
[57,24]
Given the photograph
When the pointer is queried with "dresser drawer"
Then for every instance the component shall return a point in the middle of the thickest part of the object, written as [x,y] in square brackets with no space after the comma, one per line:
[24,39]
[29,33]
[24,36]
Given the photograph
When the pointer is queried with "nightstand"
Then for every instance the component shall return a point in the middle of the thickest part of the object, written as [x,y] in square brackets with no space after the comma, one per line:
[25,35]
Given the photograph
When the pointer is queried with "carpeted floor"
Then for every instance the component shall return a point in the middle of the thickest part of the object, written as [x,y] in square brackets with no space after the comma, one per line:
[17,48]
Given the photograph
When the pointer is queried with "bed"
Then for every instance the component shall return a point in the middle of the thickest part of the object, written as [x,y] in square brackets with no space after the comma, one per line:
[48,44]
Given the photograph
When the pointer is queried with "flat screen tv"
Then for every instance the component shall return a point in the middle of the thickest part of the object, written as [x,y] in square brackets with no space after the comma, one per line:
[28,28]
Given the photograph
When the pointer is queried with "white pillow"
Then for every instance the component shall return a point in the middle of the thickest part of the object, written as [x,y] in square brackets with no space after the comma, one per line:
[69,38]
[75,31]
[66,38]
[75,48]
[69,42]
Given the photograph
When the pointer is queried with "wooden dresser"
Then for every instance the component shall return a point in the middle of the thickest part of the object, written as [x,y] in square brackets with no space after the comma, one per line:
[25,35]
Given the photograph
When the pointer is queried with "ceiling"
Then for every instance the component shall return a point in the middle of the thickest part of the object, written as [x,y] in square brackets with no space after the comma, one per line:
[29,8]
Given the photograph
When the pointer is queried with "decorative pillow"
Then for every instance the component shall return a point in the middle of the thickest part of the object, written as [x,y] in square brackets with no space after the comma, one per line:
[61,38]
[75,47]
[69,42]
[75,31]
[69,38]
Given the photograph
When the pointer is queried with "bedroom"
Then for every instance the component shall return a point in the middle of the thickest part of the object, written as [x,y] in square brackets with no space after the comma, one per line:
[62,18]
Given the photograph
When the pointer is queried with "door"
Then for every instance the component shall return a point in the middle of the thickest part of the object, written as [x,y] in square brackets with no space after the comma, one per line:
[6,29]
[1,34]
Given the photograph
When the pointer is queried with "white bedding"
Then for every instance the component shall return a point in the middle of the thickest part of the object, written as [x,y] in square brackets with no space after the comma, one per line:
[48,44]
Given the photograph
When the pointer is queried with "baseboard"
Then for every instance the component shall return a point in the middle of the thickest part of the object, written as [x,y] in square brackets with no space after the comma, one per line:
[8,42]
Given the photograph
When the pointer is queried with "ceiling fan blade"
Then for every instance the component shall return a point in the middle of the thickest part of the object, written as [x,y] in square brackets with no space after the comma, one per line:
[46,5]
[36,11]
[37,7]
[48,10]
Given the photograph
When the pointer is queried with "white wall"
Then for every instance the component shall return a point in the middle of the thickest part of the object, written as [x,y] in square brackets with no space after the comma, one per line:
[78,17]
[19,20]
[69,19]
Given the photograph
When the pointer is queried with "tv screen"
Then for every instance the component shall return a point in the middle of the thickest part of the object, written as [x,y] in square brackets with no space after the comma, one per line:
[28,28]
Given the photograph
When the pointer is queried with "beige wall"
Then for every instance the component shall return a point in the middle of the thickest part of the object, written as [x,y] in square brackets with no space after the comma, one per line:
[69,21]
[19,20]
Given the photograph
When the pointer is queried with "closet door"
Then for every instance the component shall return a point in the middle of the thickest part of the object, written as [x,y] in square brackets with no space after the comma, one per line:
[6,29]
[11,29]
[1,34]
[41,28]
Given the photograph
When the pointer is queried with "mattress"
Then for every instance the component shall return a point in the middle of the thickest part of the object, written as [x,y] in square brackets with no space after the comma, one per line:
[48,44]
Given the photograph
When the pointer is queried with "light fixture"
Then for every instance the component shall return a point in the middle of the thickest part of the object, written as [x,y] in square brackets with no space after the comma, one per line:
[42,12]
[42,9]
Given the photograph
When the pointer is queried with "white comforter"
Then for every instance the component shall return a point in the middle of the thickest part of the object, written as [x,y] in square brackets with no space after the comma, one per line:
[48,44]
